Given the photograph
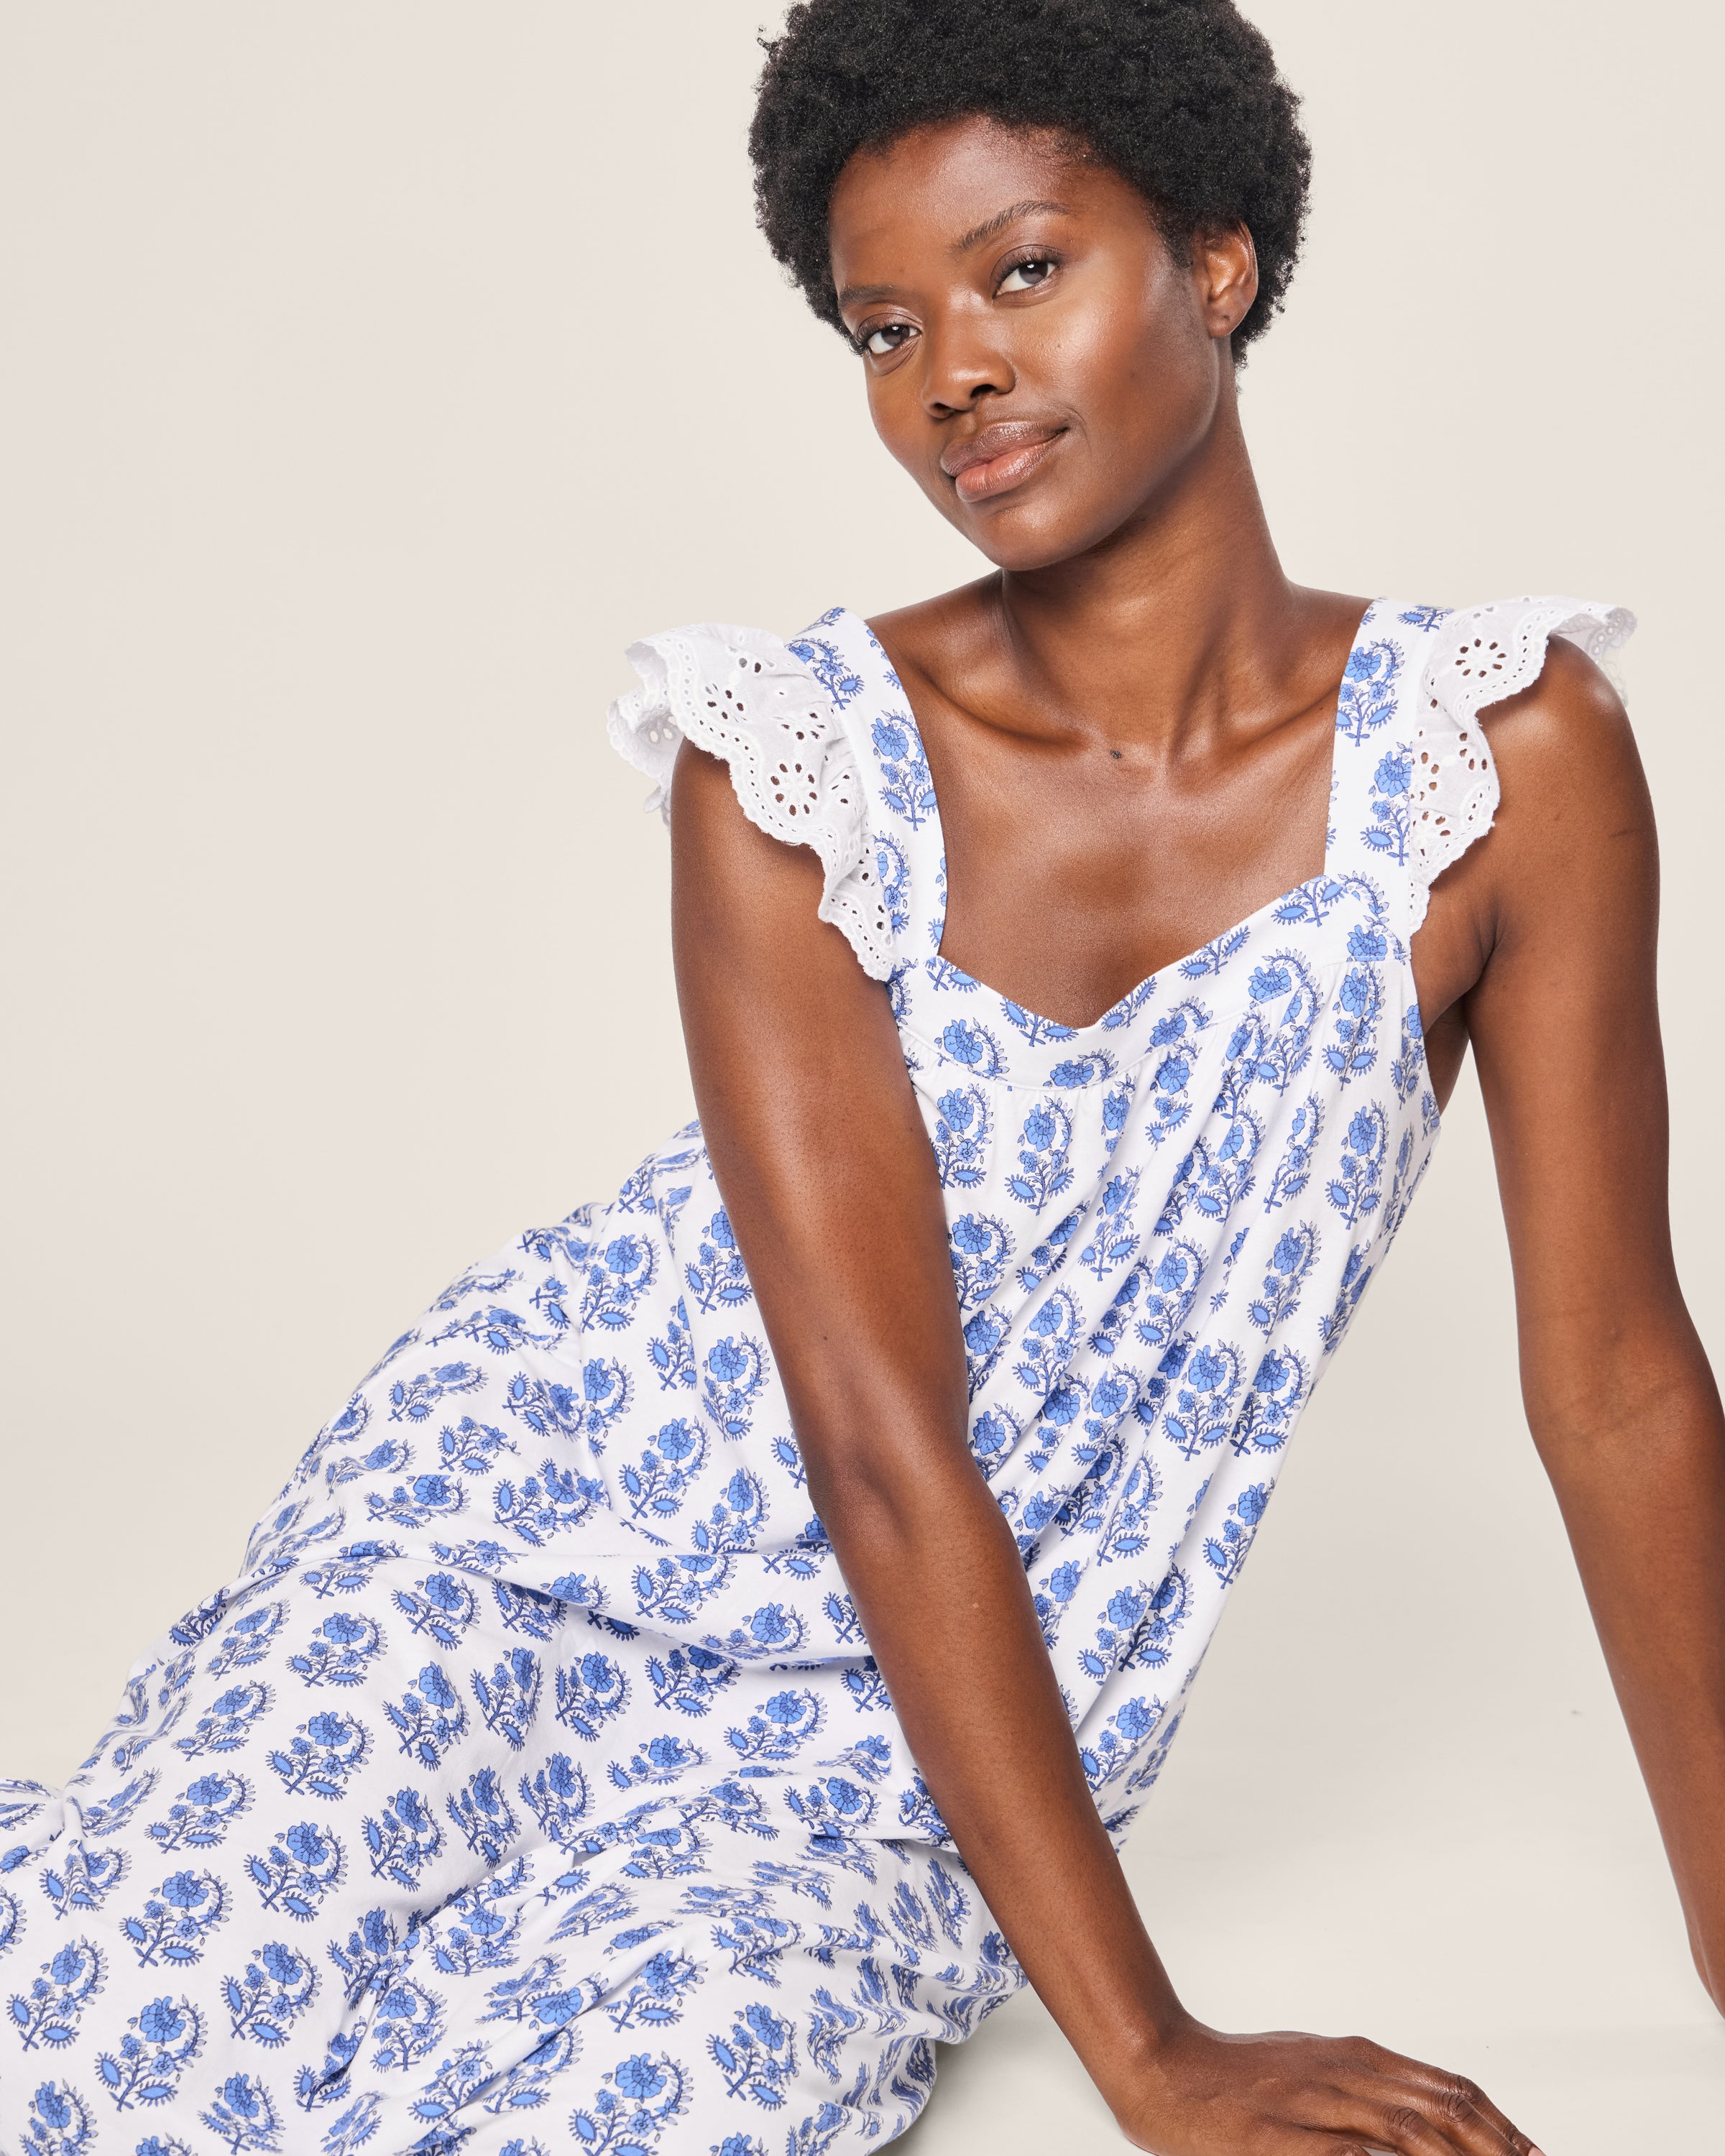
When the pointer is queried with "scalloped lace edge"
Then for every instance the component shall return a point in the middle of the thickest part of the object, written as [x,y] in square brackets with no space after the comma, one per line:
[743,696]
[1480,656]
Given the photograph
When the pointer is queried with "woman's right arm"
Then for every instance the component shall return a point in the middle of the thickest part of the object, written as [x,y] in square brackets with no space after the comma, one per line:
[820,1154]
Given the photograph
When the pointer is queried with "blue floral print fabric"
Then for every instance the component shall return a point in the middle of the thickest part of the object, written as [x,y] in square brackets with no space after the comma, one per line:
[531,1784]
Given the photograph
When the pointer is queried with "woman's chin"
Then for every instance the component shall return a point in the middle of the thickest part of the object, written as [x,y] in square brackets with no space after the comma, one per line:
[1046,522]
[1021,535]
[1021,546]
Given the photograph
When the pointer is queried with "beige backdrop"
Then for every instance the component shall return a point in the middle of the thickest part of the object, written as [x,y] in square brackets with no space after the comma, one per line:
[374,372]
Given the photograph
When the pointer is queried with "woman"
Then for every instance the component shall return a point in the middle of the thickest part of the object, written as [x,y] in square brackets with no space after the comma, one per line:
[717,1649]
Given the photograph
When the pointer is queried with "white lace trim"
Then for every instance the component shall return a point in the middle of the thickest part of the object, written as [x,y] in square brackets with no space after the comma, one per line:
[1479,656]
[742,696]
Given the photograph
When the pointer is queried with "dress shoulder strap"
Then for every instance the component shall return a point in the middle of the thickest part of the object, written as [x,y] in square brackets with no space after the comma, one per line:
[744,697]
[1416,781]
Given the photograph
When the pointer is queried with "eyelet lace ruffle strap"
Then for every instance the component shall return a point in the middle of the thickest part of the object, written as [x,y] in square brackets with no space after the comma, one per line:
[1479,655]
[742,695]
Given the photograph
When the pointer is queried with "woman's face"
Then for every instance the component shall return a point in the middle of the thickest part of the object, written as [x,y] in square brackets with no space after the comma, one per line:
[1038,359]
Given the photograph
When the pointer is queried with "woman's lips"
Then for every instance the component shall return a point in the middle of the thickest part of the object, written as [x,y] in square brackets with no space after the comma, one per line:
[978,477]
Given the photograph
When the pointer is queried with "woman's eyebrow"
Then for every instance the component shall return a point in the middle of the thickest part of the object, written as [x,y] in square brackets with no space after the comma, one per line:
[1000,220]
[853,295]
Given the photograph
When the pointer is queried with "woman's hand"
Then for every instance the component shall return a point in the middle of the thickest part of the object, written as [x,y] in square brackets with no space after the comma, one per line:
[1284,2094]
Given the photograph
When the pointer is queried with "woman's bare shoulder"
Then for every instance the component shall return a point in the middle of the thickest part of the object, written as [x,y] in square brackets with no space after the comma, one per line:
[1565,751]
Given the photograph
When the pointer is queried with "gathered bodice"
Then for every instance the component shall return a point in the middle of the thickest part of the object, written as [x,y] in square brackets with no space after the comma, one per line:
[1162,1222]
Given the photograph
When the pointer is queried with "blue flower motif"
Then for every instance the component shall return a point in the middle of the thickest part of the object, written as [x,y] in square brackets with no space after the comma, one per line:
[973,1046]
[639,2078]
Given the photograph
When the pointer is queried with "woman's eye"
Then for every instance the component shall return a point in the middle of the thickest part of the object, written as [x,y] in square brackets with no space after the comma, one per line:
[1026,276]
[889,338]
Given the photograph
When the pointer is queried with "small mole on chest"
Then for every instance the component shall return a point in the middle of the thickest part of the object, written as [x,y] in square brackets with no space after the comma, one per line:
[1115,753]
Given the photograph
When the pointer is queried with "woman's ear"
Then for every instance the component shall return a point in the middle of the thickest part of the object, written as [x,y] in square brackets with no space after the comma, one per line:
[1224,263]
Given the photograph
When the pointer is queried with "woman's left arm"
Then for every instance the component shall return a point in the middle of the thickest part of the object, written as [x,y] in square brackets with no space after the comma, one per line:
[1621,1402]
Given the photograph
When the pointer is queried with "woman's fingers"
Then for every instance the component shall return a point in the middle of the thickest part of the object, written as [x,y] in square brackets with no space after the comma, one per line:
[1419,2111]
[1455,2090]
[1455,2105]
[1411,2129]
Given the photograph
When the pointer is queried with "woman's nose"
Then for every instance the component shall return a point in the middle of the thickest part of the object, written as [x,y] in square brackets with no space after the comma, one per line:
[962,362]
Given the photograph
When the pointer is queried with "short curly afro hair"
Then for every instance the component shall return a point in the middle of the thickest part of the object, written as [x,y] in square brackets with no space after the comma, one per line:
[1180,97]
